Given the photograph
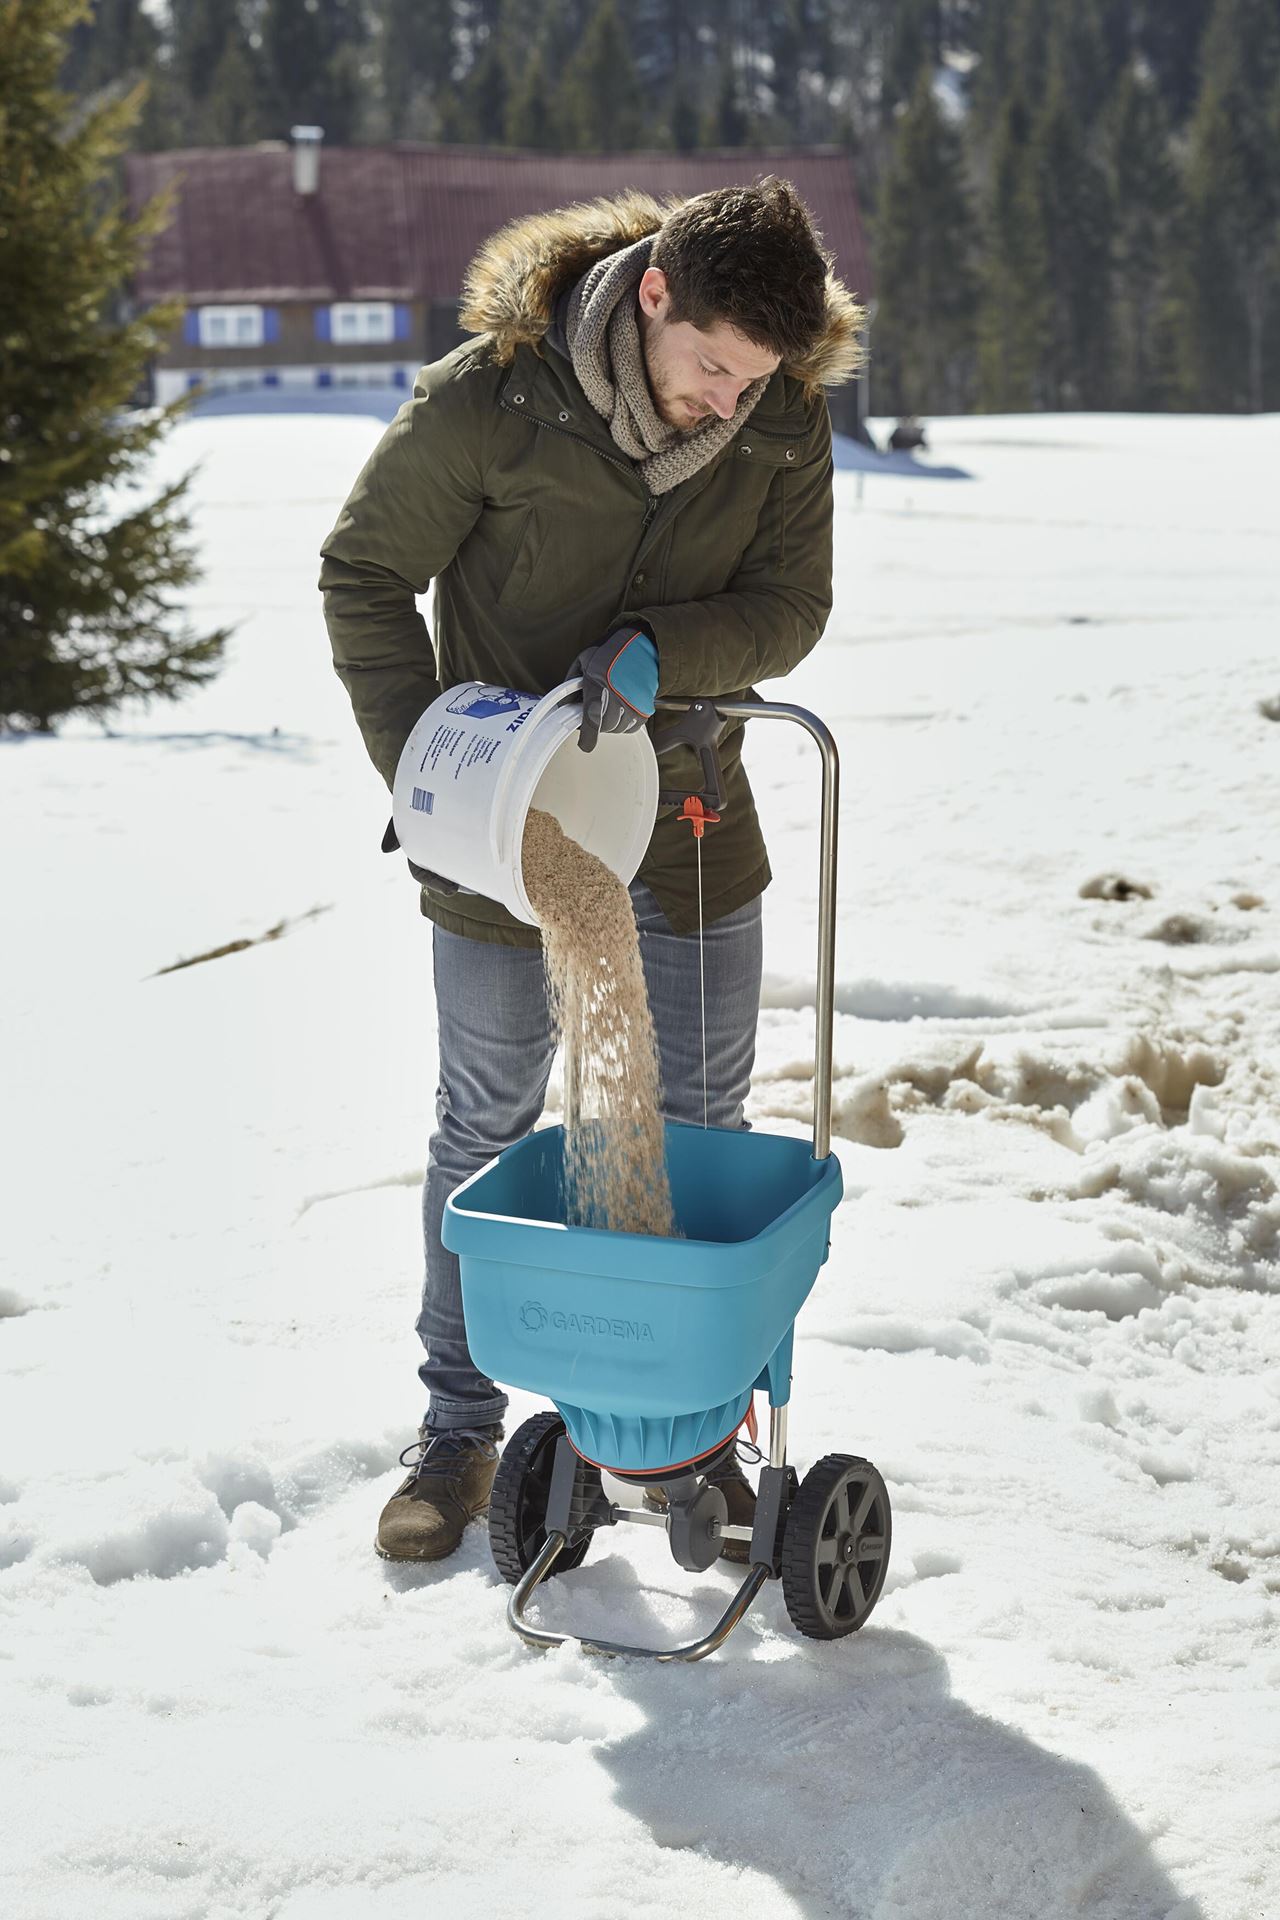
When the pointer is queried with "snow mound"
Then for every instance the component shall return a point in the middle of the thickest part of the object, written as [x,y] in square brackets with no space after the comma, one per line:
[1210,1214]
[951,1339]
[879,999]
[254,1527]
[1118,1295]
[149,1520]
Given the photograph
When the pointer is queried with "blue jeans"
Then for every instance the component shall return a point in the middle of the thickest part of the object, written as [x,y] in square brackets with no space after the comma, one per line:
[496,1049]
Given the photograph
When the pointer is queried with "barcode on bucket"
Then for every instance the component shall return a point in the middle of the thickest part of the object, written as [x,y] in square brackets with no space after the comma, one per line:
[423,801]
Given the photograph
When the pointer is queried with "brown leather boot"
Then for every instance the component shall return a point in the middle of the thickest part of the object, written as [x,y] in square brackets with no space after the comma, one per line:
[448,1484]
[739,1499]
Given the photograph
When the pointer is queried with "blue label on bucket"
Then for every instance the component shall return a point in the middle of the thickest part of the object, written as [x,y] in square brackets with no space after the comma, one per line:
[485,702]
[423,801]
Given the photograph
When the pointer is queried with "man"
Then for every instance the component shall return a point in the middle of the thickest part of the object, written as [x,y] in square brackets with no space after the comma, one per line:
[627,474]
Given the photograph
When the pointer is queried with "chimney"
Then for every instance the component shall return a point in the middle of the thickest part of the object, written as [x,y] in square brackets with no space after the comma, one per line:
[306,157]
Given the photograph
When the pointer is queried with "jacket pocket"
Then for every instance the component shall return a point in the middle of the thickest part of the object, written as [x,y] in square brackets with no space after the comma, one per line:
[520,566]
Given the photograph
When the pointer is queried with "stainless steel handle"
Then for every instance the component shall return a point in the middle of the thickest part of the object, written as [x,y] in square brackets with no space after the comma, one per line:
[825,1006]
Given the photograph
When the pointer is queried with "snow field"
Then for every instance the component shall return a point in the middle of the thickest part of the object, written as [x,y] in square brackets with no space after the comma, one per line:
[1050,1314]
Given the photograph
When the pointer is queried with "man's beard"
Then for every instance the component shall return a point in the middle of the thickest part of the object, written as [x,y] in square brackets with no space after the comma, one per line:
[671,408]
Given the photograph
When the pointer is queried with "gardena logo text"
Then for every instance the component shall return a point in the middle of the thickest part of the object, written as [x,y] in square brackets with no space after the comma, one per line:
[534,1317]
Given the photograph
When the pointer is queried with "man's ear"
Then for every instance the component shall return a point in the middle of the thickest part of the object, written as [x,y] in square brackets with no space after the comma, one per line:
[654,297]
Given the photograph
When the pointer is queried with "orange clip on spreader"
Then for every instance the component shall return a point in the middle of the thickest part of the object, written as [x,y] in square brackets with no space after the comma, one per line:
[698,816]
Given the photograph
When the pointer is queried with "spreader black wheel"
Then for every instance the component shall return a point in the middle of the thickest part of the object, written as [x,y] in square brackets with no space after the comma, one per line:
[835,1551]
[518,1503]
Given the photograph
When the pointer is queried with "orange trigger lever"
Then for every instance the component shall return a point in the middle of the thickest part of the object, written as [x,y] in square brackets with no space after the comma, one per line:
[698,816]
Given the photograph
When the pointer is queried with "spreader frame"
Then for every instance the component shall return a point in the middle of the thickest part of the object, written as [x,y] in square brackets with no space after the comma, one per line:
[570,1510]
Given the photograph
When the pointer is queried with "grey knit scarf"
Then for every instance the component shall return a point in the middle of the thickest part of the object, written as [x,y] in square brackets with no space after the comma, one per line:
[602,330]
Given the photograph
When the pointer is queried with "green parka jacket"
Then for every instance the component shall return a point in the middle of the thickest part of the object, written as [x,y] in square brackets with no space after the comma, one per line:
[499,481]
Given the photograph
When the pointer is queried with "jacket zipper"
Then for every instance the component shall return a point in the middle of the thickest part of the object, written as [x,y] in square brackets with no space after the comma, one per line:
[651,499]
[651,506]
[621,465]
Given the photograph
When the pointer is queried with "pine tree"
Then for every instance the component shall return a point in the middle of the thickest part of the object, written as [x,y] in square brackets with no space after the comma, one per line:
[727,123]
[1078,57]
[1168,35]
[1144,194]
[924,262]
[799,41]
[312,60]
[1075,222]
[415,62]
[1232,259]
[1014,299]
[1117,31]
[684,118]
[915,41]
[529,121]
[994,78]
[87,617]
[116,46]
[598,105]
[786,32]
[562,25]
[1031,31]
[213,86]
[232,113]
[200,33]
[116,41]
[477,115]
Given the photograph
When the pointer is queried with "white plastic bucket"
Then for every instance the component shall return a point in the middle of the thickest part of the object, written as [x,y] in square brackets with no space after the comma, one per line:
[481,756]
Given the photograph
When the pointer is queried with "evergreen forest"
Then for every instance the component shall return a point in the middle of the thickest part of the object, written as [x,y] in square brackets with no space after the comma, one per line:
[1070,203]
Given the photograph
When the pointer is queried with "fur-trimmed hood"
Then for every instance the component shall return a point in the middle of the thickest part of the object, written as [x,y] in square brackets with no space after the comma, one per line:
[511,287]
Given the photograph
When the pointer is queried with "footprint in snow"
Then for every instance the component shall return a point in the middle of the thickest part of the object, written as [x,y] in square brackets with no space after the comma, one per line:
[1114,886]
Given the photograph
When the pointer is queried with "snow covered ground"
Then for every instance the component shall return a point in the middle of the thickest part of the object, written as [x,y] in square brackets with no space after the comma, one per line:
[1051,1314]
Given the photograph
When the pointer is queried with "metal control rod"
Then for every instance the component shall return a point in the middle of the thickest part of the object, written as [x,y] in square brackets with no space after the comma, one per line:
[825,1005]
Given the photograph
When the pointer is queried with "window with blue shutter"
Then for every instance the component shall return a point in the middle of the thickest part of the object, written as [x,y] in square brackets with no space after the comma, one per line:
[270,325]
[232,327]
[191,327]
[323,329]
[403,323]
[354,323]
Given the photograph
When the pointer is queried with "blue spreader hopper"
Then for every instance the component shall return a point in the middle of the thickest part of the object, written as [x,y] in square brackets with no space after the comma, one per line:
[650,1348]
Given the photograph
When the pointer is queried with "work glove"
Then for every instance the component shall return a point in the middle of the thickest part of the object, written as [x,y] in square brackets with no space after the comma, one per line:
[619,684]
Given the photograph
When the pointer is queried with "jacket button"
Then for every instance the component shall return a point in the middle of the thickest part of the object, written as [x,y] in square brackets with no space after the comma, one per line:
[638,581]
[518,398]
[563,415]
[746,449]
[791,453]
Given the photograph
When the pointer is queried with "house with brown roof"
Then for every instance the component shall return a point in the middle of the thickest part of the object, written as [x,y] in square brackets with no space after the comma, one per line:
[303,268]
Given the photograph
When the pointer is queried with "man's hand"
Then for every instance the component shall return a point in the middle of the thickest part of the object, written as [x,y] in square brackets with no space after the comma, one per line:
[619,685]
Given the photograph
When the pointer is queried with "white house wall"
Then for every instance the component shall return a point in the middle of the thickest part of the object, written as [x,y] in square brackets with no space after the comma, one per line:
[172,382]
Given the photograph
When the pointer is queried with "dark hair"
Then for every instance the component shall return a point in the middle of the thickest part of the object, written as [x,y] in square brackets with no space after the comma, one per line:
[748,256]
